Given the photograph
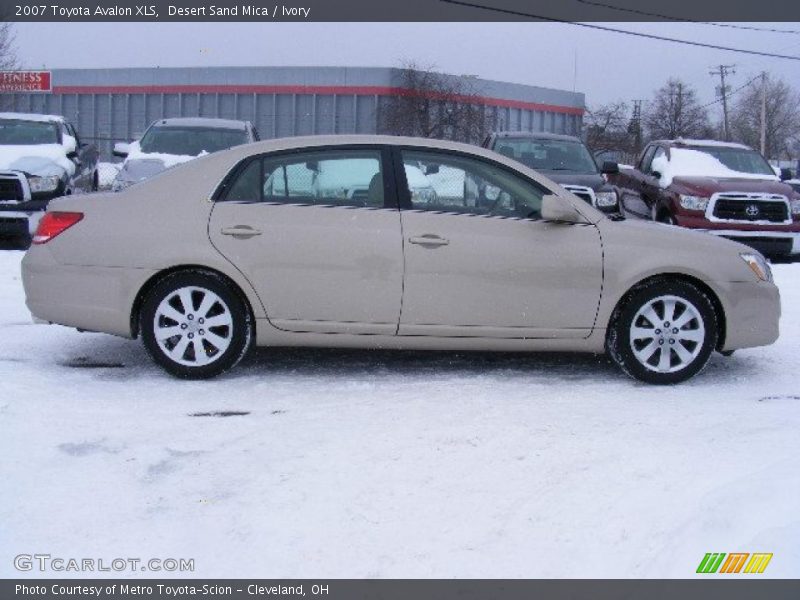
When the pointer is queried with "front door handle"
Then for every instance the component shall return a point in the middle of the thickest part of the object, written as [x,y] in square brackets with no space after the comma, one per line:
[240,231]
[428,239]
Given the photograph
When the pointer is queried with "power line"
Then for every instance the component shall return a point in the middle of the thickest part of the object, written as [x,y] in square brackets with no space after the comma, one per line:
[739,89]
[623,31]
[685,20]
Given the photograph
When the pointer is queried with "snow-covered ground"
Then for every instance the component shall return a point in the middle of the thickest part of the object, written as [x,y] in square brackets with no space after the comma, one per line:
[373,464]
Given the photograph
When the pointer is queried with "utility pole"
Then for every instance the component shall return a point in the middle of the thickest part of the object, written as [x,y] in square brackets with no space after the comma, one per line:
[636,123]
[763,113]
[722,91]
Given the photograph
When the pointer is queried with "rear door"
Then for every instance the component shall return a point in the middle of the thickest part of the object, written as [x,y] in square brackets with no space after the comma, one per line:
[480,262]
[317,233]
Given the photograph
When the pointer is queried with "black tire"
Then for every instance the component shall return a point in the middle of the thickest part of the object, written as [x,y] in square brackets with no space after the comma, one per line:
[703,326]
[666,217]
[238,334]
[95,182]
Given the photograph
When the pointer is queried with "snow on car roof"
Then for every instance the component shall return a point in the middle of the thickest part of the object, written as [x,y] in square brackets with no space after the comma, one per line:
[32,117]
[200,122]
[716,143]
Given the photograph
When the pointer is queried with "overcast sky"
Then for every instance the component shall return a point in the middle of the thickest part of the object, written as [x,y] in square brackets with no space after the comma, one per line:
[605,66]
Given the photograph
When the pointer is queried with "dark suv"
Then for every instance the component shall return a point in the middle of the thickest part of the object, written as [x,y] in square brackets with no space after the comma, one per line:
[562,158]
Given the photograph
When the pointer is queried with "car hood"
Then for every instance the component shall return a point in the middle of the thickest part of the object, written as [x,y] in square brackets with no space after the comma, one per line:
[138,169]
[706,186]
[41,160]
[591,180]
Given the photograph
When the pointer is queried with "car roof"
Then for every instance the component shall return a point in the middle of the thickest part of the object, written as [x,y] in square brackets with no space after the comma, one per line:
[683,143]
[32,117]
[200,122]
[536,135]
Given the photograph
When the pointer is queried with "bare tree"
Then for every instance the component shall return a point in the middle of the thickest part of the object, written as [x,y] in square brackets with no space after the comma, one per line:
[8,57]
[675,112]
[608,127]
[8,54]
[782,137]
[436,105]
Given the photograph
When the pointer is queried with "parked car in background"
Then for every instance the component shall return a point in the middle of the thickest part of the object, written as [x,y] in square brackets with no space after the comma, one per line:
[726,189]
[170,142]
[565,160]
[41,157]
[246,251]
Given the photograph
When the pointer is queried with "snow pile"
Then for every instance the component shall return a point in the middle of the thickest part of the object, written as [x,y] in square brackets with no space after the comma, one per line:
[695,163]
[394,464]
[28,157]
[169,160]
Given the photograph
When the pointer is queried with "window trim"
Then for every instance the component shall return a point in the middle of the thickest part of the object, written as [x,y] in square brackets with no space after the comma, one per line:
[390,196]
[404,193]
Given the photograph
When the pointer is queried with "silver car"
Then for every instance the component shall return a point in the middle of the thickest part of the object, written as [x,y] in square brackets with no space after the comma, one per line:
[319,241]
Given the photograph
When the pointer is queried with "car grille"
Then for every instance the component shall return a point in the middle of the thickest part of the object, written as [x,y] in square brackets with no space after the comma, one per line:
[10,188]
[584,193]
[751,208]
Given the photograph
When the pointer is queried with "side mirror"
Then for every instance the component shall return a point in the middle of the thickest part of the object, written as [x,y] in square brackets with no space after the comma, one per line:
[72,155]
[431,169]
[121,149]
[786,174]
[312,165]
[558,209]
[655,174]
[609,168]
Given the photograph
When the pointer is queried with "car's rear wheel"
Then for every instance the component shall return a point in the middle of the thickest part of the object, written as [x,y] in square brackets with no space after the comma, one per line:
[664,332]
[195,325]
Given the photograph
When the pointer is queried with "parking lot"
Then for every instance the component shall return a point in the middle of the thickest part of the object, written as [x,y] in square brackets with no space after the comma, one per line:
[395,464]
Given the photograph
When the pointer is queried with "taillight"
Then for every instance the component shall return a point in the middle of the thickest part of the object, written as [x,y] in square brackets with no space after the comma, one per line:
[54,223]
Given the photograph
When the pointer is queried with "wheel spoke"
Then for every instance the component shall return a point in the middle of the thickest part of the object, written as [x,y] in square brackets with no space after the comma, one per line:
[164,333]
[169,312]
[220,343]
[642,333]
[208,301]
[185,294]
[687,316]
[219,320]
[180,349]
[646,353]
[650,314]
[691,335]
[664,359]
[685,356]
[200,356]
[669,310]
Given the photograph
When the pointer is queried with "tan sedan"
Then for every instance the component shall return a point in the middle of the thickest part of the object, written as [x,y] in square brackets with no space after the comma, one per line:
[388,242]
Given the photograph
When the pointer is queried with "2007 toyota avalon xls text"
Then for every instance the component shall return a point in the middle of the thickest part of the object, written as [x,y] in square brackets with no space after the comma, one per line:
[321,241]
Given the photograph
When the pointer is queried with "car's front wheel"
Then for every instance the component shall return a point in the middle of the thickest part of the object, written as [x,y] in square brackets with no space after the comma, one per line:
[195,325]
[664,332]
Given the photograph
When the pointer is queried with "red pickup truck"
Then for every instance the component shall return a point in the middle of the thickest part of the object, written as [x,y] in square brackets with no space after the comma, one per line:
[722,188]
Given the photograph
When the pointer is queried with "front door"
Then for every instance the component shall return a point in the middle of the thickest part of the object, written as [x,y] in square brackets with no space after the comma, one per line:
[479,260]
[317,233]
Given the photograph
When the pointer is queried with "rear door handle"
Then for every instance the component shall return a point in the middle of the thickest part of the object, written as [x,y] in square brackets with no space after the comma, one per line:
[240,231]
[428,239]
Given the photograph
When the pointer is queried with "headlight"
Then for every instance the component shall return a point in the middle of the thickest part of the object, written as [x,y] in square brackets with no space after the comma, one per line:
[758,265]
[796,207]
[694,202]
[44,184]
[606,199]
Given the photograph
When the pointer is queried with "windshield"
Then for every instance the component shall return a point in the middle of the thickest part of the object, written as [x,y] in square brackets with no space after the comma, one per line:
[190,141]
[548,155]
[742,160]
[14,132]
